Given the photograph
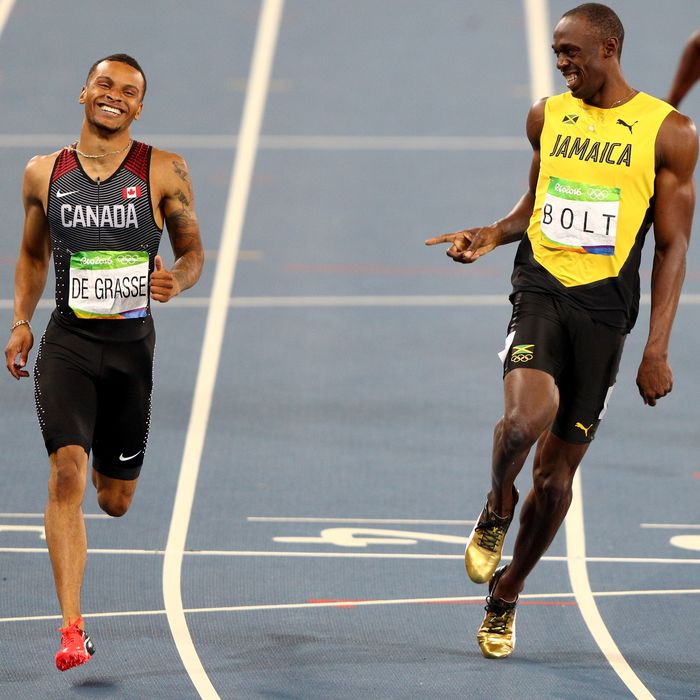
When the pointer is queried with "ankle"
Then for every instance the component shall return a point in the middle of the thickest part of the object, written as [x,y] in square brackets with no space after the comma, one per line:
[502,506]
[505,591]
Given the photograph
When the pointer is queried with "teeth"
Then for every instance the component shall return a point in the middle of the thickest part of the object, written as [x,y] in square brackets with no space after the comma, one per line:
[111,110]
[571,78]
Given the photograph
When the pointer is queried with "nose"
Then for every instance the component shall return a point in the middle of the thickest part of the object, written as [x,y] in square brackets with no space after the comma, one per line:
[562,61]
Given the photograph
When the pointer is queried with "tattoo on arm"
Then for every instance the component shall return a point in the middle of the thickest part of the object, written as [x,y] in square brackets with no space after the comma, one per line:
[183,175]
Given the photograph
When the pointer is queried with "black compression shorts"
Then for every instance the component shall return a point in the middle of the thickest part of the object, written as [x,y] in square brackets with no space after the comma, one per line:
[581,354]
[97,395]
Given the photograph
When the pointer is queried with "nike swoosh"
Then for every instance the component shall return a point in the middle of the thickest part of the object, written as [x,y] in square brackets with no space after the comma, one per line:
[60,194]
[122,458]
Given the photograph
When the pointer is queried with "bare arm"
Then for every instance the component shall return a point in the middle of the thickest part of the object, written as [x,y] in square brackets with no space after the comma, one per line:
[32,263]
[688,71]
[677,152]
[470,244]
[177,205]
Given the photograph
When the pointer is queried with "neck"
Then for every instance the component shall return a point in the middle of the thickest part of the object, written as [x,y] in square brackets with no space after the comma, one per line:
[97,141]
[612,94]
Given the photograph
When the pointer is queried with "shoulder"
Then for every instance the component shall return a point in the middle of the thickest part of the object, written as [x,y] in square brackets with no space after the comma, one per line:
[37,173]
[535,121]
[168,169]
[164,161]
[677,143]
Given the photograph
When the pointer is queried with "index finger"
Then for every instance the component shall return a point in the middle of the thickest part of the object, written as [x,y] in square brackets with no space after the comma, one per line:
[445,238]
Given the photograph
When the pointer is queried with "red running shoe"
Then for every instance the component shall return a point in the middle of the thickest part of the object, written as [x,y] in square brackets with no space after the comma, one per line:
[76,646]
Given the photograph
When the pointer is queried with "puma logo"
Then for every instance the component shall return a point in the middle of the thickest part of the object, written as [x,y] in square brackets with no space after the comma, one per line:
[584,428]
[624,123]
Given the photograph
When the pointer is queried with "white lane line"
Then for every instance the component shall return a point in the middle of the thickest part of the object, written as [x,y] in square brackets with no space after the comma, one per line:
[387,521]
[251,124]
[348,301]
[670,526]
[292,142]
[539,41]
[346,555]
[537,13]
[5,12]
[353,603]
[578,574]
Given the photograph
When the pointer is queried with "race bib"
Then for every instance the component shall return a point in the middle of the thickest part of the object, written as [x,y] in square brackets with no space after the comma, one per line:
[110,284]
[581,217]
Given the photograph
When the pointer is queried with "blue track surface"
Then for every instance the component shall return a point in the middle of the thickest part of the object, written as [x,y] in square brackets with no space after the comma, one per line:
[335,407]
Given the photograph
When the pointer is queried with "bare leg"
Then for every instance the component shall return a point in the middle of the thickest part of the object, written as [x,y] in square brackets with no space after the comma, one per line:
[114,496]
[65,527]
[543,511]
[531,401]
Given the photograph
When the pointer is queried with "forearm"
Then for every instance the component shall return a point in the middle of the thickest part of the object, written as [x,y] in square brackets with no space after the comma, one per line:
[687,74]
[188,268]
[30,280]
[513,226]
[667,277]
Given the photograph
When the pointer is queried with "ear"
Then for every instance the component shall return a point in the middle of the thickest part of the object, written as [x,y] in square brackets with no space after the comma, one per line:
[610,47]
[138,111]
[81,99]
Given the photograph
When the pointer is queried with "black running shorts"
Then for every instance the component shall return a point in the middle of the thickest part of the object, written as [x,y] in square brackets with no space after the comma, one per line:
[581,354]
[97,395]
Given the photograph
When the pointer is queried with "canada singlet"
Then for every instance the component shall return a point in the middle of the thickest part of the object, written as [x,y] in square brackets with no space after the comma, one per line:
[593,205]
[104,240]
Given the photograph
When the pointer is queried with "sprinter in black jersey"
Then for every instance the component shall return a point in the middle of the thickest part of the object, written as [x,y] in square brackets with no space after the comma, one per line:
[99,207]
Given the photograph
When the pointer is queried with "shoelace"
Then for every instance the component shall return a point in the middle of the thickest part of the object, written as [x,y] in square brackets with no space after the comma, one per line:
[490,532]
[501,615]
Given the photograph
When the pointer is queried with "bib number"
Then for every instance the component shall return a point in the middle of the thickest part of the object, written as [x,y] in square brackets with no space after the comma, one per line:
[580,217]
[109,284]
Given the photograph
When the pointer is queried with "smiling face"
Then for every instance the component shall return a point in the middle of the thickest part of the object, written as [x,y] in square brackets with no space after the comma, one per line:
[584,58]
[113,96]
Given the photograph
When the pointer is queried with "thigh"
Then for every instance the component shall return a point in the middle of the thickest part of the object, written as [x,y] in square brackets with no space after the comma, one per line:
[537,337]
[124,409]
[65,389]
[587,384]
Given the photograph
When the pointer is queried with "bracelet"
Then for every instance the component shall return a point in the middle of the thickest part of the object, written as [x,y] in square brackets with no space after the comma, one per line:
[21,322]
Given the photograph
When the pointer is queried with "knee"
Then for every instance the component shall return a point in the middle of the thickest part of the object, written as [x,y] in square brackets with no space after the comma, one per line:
[67,479]
[114,504]
[517,433]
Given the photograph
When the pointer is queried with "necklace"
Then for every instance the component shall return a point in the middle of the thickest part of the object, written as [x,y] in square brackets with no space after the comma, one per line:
[631,93]
[100,155]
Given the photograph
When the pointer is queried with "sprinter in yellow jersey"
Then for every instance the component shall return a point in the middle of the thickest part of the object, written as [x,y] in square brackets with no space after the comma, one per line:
[608,163]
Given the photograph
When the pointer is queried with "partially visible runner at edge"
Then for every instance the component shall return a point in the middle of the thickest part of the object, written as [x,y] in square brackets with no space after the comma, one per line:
[688,71]
[99,207]
[608,162]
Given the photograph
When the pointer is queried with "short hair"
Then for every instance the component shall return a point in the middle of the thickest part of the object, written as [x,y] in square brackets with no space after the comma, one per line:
[604,19]
[120,58]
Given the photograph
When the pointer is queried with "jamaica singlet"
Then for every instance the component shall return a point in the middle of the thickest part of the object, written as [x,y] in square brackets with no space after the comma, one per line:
[104,239]
[593,205]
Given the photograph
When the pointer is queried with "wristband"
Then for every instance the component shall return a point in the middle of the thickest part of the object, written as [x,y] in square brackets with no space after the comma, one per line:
[21,322]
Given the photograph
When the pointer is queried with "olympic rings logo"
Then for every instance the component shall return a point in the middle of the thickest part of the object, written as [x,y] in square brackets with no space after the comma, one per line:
[521,358]
[127,259]
[598,195]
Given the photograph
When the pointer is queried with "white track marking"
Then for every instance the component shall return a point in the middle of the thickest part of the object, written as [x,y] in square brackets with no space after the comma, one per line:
[484,300]
[283,142]
[578,574]
[347,555]
[5,11]
[358,603]
[251,124]
[670,526]
[382,521]
[539,40]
